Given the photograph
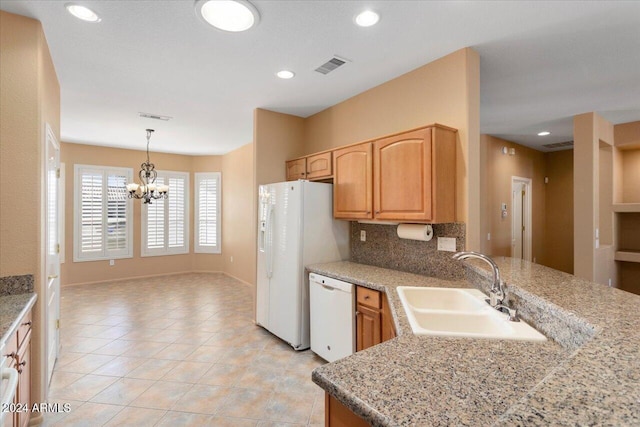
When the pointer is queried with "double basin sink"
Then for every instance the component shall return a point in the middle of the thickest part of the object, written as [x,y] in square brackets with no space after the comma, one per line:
[454,312]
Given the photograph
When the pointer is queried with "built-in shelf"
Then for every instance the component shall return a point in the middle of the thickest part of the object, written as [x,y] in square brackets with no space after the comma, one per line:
[626,207]
[628,256]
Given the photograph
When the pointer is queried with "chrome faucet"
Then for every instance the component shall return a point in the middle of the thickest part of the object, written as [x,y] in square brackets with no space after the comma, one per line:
[496,293]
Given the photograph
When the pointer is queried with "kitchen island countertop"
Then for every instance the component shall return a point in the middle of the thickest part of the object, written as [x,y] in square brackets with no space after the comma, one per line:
[587,373]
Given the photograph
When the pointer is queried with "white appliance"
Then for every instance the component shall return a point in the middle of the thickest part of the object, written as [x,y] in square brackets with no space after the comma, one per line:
[332,317]
[8,384]
[295,228]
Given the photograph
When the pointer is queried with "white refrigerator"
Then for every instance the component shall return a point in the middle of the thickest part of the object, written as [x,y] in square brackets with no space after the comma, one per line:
[295,228]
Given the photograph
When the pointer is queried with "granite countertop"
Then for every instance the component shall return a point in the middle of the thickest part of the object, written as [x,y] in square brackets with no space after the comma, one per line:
[12,309]
[587,373]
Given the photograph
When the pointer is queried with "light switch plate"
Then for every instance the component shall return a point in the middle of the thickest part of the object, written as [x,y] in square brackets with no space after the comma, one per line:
[447,244]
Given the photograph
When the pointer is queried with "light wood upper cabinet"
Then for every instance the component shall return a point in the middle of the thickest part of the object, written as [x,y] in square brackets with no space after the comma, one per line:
[406,177]
[353,182]
[414,176]
[402,176]
[296,169]
[319,166]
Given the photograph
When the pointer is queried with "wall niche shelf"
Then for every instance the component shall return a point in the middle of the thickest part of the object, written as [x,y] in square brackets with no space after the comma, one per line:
[626,207]
[628,256]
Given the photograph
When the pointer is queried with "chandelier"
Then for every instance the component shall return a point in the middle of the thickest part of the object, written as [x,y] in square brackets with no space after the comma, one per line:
[147,189]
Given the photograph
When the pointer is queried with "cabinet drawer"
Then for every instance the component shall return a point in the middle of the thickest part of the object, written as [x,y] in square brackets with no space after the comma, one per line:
[368,297]
[24,328]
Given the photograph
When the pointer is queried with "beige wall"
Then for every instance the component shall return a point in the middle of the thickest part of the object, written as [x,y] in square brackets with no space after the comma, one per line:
[20,150]
[97,271]
[497,171]
[29,99]
[559,210]
[631,176]
[444,91]
[627,135]
[277,137]
[589,132]
[238,214]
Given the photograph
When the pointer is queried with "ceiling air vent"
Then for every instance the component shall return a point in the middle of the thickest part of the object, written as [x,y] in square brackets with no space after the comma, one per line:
[155,116]
[331,65]
[559,145]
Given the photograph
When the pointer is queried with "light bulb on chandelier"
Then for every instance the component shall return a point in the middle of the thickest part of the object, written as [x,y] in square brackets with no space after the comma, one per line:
[147,190]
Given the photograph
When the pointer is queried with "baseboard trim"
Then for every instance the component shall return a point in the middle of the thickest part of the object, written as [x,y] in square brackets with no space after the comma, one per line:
[124,279]
[238,279]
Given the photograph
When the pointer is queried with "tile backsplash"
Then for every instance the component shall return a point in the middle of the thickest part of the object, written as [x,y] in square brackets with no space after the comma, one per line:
[383,248]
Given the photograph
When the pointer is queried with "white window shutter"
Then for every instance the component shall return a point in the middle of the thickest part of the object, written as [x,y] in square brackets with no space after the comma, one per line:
[102,217]
[165,222]
[208,212]
[91,214]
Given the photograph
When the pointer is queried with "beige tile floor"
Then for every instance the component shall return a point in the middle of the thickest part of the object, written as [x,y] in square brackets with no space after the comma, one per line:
[177,351]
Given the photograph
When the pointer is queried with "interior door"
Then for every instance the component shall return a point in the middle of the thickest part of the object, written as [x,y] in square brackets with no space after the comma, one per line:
[517,234]
[52,257]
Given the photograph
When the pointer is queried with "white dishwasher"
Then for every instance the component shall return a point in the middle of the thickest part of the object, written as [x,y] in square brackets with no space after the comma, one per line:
[332,315]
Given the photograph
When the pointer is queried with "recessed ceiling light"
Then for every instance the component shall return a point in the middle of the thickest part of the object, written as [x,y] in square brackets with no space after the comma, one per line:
[544,133]
[367,18]
[82,12]
[228,15]
[285,74]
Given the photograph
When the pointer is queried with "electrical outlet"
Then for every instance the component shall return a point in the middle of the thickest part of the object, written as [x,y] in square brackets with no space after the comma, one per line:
[231,258]
[447,244]
[363,236]
[112,262]
[488,236]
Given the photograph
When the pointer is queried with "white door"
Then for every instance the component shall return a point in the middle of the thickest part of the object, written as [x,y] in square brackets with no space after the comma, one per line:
[52,257]
[521,237]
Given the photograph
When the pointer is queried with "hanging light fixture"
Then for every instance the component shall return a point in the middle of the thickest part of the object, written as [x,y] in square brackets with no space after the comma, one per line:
[147,189]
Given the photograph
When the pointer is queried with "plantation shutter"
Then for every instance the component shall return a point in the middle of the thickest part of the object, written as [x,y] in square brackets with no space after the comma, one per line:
[176,223]
[208,212]
[102,214]
[166,221]
[155,221]
[91,212]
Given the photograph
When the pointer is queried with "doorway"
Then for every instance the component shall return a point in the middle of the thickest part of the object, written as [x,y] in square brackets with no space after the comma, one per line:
[52,257]
[521,218]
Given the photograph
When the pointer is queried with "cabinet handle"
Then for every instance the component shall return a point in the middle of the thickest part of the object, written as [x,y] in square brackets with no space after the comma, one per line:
[22,363]
[12,355]
[357,313]
[366,297]
[27,323]
[377,212]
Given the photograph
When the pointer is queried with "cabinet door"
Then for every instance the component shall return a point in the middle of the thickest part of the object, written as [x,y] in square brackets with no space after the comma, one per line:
[368,327]
[296,169]
[353,182]
[319,166]
[402,176]
[24,382]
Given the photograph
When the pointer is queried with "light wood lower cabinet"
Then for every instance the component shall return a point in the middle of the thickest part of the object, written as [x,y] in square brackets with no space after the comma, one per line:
[374,322]
[19,347]
[338,415]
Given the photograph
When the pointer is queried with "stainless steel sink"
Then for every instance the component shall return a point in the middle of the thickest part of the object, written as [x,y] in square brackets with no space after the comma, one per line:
[456,312]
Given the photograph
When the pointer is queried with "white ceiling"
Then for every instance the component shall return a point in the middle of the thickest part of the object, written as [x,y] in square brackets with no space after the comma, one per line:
[541,63]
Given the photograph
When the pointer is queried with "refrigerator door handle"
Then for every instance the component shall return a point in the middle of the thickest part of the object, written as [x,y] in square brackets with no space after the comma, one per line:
[268,247]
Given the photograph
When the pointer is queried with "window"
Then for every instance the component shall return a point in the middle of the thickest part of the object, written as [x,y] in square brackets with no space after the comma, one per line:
[165,222]
[207,205]
[102,217]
